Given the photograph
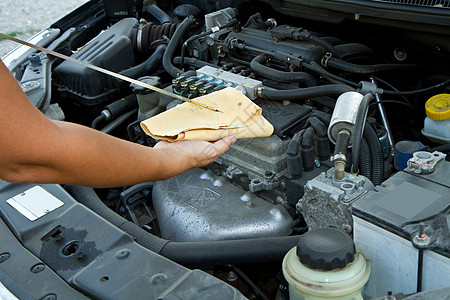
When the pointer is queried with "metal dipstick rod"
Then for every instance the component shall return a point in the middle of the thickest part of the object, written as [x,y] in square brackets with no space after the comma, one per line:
[107,72]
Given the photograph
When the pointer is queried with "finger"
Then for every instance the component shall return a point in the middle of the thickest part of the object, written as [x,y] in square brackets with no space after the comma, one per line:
[161,144]
[223,144]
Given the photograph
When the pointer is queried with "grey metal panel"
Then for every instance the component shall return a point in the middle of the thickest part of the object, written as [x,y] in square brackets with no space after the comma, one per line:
[393,259]
[436,271]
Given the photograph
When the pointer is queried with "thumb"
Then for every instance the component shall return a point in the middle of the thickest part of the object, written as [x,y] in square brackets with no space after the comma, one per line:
[223,144]
[161,144]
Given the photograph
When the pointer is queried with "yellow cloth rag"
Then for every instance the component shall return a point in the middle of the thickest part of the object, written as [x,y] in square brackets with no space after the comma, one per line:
[239,117]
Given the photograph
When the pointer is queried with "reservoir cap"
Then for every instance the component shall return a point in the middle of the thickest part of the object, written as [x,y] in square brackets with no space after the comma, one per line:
[325,248]
[438,107]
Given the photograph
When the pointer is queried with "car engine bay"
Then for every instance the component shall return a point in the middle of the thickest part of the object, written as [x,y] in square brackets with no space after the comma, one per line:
[356,145]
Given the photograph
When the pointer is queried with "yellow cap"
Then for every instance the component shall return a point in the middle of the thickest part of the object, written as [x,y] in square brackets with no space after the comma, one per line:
[438,107]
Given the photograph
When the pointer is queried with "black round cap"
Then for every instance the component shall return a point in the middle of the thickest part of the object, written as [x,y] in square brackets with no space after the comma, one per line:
[325,248]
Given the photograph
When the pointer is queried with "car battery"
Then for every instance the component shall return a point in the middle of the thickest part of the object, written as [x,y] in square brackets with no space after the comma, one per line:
[403,227]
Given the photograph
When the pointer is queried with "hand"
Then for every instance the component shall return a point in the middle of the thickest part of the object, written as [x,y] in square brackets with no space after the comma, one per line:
[198,153]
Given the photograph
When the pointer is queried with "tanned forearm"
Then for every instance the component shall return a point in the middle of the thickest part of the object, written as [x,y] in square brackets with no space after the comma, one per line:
[36,149]
[79,155]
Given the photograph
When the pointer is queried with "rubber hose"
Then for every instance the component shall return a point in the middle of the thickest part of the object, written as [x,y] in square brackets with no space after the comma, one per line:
[313,66]
[354,51]
[185,44]
[117,122]
[357,133]
[231,251]
[376,152]
[334,90]
[366,69]
[323,144]
[308,138]
[323,148]
[329,102]
[175,41]
[307,149]
[191,253]
[158,14]
[342,141]
[119,107]
[441,148]
[365,159]
[322,116]
[148,66]
[308,159]
[97,120]
[305,35]
[146,36]
[318,126]
[190,61]
[328,46]
[293,159]
[203,34]
[89,198]
[257,65]
[151,33]
[250,283]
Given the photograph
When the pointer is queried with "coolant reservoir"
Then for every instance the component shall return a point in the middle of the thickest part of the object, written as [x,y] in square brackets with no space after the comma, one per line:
[325,265]
[437,122]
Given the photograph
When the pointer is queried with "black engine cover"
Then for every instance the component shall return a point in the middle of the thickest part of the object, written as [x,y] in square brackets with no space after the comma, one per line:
[263,40]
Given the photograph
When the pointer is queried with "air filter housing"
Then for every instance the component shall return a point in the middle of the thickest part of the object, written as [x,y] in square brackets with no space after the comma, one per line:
[112,50]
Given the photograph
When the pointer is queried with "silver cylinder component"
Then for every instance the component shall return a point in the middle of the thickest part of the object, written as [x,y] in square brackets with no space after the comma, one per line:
[344,115]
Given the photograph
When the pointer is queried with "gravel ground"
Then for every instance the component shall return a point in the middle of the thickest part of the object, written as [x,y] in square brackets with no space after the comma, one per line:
[24,18]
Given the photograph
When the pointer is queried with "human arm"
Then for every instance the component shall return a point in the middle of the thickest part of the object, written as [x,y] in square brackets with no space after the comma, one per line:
[36,149]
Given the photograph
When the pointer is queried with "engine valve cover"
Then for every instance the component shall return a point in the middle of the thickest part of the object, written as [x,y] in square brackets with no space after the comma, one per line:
[198,206]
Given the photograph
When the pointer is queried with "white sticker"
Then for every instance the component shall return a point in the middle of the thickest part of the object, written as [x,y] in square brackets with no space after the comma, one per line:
[5,294]
[35,203]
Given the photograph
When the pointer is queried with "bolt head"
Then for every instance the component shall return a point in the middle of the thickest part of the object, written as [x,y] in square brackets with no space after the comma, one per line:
[422,240]
[4,257]
[37,268]
[231,276]
[347,228]
[49,297]
[123,254]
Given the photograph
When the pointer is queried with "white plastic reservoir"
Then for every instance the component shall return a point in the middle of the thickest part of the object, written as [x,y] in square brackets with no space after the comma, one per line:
[326,265]
[437,123]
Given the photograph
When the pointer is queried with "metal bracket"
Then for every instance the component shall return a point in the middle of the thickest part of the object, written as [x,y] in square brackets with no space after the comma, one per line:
[424,162]
[134,201]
